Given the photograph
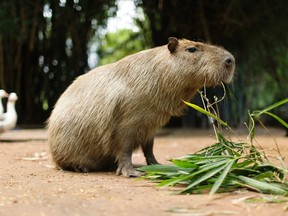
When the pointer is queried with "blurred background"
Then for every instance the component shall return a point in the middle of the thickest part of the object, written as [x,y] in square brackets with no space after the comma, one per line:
[45,44]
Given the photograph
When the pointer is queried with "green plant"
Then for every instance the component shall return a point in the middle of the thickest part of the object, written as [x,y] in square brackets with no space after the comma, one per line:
[226,165]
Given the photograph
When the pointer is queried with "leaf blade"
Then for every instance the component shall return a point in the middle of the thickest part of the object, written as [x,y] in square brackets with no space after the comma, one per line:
[204,177]
[263,187]
[273,106]
[222,177]
[203,111]
[281,121]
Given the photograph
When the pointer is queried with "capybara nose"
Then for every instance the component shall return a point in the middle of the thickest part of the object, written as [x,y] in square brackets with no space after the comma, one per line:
[230,67]
[229,61]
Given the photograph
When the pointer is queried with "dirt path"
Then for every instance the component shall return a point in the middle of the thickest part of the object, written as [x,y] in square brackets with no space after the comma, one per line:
[29,185]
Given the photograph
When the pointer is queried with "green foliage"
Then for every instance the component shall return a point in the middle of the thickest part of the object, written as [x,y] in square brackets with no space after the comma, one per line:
[258,113]
[223,166]
[116,45]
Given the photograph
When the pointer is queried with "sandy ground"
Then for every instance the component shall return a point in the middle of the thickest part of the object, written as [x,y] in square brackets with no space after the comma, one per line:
[29,184]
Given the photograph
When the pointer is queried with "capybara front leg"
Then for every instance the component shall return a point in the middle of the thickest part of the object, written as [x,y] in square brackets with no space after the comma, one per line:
[125,166]
[148,152]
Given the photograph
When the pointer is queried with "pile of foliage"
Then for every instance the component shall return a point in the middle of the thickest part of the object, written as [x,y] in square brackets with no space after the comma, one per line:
[226,165]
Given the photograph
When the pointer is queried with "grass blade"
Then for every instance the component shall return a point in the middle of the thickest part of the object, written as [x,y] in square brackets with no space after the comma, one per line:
[203,111]
[174,181]
[277,118]
[280,103]
[184,163]
[221,178]
[261,186]
[204,177]
[160,168]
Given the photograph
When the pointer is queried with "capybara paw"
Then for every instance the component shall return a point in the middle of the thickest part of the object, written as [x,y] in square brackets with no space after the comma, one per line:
[151,161]
[128,172]
[80,168]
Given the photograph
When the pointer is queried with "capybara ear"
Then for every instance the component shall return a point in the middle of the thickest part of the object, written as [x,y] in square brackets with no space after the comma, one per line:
[173,43]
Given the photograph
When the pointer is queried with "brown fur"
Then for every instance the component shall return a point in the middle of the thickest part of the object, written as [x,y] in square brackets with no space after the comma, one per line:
[112,110]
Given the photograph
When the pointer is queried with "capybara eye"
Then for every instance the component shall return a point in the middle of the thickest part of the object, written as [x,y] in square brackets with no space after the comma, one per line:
[191,49]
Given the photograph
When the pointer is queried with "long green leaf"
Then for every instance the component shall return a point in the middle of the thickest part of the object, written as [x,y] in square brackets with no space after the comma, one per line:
[285,124]
[203,111]
[261,186]
[272,106]
[158,168]
[184,163]
[174,181]
[204,177]
[221,178]
[202,169]
[212,163]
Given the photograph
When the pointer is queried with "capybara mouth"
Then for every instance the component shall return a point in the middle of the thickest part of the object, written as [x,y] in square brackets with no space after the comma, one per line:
[228,76]
[224,74]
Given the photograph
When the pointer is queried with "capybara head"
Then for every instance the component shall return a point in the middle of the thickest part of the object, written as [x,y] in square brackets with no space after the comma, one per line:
[210,65]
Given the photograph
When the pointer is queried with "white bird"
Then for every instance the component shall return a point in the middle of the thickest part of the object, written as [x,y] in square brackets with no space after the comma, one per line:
[10,117]
[3,94]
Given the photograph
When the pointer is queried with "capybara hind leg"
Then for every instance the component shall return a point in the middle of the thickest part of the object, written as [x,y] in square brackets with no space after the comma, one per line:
[80,168]
[73,167]
[148,152]
[125,166]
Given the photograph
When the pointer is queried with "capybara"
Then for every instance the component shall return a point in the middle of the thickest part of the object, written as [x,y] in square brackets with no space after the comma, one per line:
[107,113]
